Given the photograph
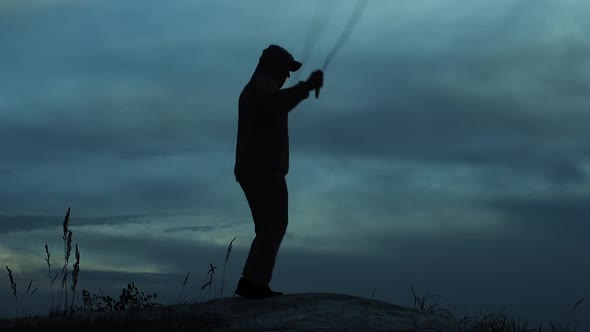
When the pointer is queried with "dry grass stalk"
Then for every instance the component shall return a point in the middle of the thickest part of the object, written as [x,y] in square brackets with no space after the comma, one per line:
[420,303]
[49,269]
[53,281]
[65,269]
[228,252]
[66,223]
[185,279]
[67,237]
[29,288]
[577,304]
[182,289]
[209,283]
[13,286]
[75,274]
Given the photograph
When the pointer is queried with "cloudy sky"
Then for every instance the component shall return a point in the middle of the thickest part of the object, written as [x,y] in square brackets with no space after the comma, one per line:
[448,149]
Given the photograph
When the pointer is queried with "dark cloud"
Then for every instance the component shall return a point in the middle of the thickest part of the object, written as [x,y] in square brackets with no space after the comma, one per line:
[202,228]
[25,223]
[89,133]
[434,120]
[149,248]
[110,89]
[559,215]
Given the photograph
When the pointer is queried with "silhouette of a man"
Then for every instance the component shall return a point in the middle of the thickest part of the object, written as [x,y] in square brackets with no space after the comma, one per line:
[262,160]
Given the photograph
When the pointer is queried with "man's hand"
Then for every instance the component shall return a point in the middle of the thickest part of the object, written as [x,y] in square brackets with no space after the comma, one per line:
[316,81]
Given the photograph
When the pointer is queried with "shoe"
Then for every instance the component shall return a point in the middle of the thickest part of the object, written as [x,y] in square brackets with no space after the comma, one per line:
[273,292]
[251,290]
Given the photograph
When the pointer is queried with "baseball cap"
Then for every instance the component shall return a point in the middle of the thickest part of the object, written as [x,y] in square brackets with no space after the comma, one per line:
[276,54]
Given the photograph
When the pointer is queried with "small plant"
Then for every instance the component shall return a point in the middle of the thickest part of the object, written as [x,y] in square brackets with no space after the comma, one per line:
[420,303]
[94,304]
[497,322]
[130,298]
[484,322]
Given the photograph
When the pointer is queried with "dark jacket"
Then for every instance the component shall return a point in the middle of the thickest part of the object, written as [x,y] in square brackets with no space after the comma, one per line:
[263,130]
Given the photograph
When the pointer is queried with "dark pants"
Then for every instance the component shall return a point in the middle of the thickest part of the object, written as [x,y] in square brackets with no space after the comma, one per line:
[268,199]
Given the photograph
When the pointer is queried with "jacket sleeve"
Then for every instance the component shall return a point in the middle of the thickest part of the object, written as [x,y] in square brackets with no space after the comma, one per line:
[271,98]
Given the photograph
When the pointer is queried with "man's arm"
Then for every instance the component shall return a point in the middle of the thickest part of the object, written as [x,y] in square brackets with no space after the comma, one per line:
[285,100]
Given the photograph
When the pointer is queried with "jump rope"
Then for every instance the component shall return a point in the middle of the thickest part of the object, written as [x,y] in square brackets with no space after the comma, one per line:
[317,26]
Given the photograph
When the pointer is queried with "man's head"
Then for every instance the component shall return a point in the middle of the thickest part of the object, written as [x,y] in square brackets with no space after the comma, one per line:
[278,63]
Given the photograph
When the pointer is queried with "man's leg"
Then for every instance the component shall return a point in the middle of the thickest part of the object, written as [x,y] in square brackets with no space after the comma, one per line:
[268,199]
